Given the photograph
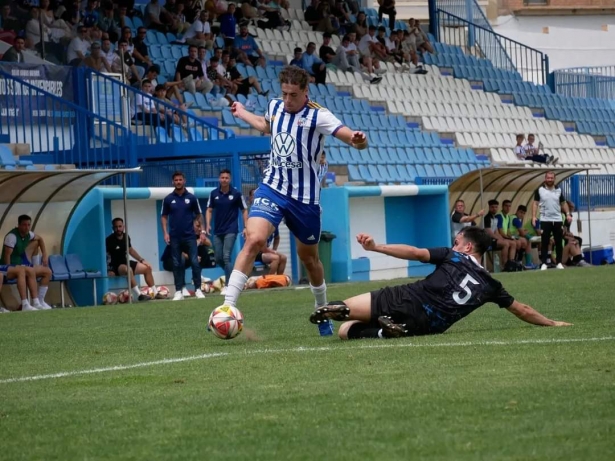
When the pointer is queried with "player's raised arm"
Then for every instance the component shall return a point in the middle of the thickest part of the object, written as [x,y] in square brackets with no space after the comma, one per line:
[257,122]
[356,139]
[396,250]
[530,315]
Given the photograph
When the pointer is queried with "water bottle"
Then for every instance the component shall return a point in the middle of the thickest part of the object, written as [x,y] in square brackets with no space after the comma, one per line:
[496,263]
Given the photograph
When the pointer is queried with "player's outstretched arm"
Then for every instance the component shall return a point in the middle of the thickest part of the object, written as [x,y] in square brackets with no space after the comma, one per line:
[257,122]
[530,315]
[356,139]
[396,250]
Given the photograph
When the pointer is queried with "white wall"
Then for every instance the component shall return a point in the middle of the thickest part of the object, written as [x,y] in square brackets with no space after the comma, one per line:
[572,41]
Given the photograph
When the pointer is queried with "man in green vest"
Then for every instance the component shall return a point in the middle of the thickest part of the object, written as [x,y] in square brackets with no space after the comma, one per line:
[20,245]
[505,229]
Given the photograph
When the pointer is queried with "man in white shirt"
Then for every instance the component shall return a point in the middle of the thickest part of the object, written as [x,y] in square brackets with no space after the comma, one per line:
[109,55]
[199,33]
[347,59]
[369,49]
[78,48]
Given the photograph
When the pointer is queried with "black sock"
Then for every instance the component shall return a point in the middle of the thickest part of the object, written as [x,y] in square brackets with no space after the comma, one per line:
[520,255]
[577,259]
[363,331]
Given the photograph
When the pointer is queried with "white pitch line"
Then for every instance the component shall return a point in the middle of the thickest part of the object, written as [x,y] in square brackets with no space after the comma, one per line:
[66,374]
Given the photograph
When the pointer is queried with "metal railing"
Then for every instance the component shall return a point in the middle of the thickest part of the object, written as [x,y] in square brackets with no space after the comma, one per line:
[160,122]
[585,82]
[70,133]
[601,190]
[481,42]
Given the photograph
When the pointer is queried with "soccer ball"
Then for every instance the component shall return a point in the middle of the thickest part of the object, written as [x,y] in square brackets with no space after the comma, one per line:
[149,292]
[110,298]
[124,296]
[163,292]
[226,322]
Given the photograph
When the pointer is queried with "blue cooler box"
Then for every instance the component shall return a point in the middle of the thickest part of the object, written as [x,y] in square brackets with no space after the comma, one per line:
[599,254]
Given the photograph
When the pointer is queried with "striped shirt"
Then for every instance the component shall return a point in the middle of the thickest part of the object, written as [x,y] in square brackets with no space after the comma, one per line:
[297,140]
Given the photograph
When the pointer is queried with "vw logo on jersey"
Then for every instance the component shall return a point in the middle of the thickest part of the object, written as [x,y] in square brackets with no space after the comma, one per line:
[283,145]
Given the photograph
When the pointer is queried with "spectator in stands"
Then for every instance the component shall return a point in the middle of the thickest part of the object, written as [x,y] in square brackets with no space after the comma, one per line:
[361,26]
[127,36]
[296,61]
[33,30]
[387,7]
[7,20]
[174,12]
[343,17]
[199,33]
[313,64]
[422,41]
[228,25]
[153,17]
[112,58]
[107,22]
[182,209]
[227,202]
[550,199]
[323,167]
[326,53]
[78,48]
[59,31]
[192,10]
[215,8]
[146,111]
[460,219]
[507,247]
[139,51]
[122,14]
[246,48]
[347,59]
[190,71]
[90,14]
[95,60]
[22,248]
[243,85]
[371,52]
[161,93]
[25,279]
[311,15]
[507,232]
[117,263]
[218,79]
[531,152]
[126,65]
[389,44]
[272,12]
[15,53]
[408,48]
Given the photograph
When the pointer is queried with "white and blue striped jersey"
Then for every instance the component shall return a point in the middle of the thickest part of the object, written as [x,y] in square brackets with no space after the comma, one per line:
[297,140]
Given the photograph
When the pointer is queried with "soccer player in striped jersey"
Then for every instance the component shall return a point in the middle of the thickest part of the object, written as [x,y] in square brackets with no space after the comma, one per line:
[290,189]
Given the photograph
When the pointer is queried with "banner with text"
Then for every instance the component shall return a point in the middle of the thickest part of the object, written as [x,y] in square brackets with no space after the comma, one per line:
[21,104]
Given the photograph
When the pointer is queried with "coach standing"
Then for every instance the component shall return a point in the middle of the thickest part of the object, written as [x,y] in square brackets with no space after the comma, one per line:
[552,202]
[182,208]
[227,202]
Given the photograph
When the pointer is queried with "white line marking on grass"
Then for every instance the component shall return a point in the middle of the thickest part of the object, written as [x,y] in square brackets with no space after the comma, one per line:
[192,358]
[65,374]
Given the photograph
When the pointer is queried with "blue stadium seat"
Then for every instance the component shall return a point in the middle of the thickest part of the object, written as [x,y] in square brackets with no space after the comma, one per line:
[365,173]
[151,38]
[161,38]
[162,136]
[137,22]
[171,37]
[195,134]
[178,51]
[165,51]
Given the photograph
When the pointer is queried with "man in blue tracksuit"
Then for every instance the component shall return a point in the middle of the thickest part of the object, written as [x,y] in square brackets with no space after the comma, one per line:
[227,202]
[179,210]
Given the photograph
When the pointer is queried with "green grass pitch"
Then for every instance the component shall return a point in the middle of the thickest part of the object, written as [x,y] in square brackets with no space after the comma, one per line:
[148,382]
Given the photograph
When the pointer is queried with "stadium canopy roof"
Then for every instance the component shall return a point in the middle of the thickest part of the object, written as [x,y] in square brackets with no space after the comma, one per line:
[477,187]
[49,198]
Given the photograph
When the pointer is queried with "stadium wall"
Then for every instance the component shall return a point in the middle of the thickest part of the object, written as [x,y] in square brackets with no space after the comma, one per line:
[415,215]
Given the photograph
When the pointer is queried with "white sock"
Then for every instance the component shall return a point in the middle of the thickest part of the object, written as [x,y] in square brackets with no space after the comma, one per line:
[153,287]
[380,333]
[42,291]
[234,287]
[320,294]
[136,291]
[24,302]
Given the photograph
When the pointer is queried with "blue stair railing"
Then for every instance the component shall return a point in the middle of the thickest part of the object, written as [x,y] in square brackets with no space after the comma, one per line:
[504,53]
[62,130]
[118,101]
